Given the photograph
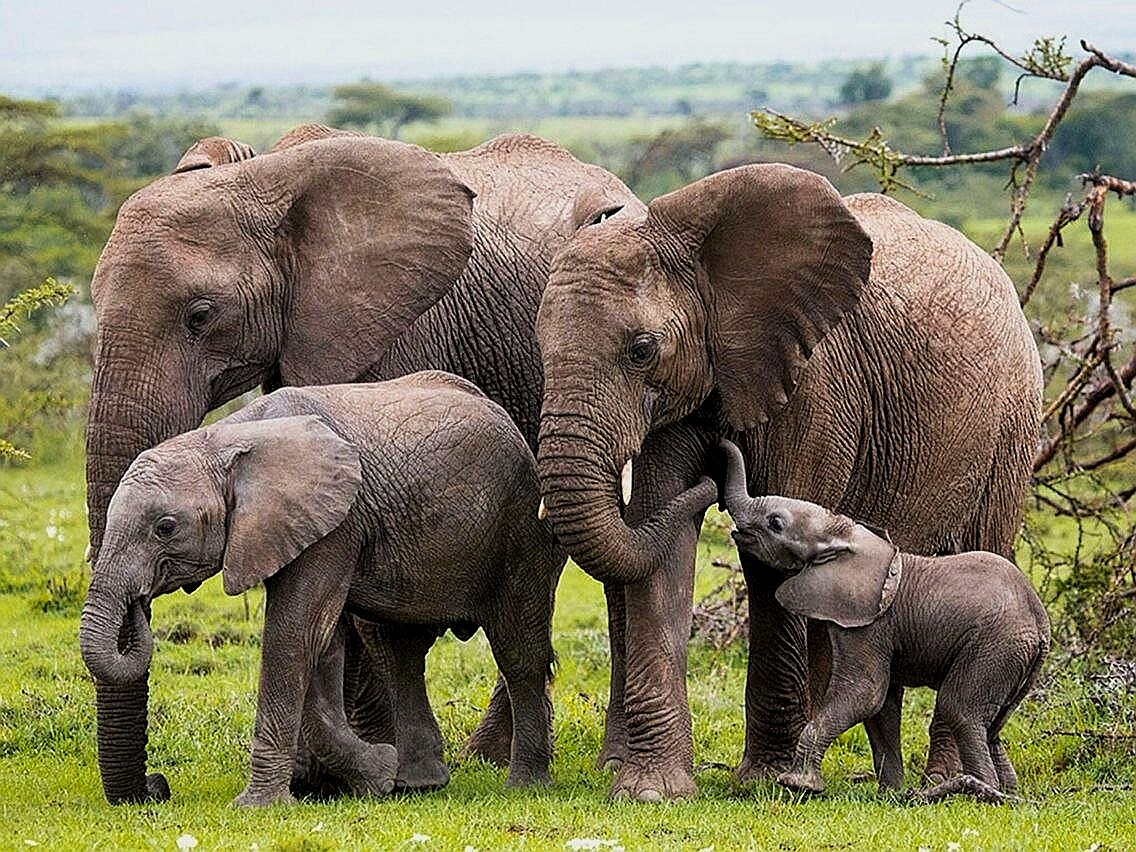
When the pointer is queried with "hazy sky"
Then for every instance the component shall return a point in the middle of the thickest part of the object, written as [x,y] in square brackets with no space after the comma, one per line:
[145,44]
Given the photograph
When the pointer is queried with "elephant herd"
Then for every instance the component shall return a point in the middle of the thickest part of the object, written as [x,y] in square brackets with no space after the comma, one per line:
[859,356]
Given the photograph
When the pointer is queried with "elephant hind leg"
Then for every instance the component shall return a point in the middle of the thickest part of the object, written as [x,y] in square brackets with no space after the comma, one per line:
[367,768]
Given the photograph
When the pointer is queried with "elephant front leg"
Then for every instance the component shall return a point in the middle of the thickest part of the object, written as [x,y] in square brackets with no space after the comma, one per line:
[303,605]
[493,736]
[776,680]
[660,750]
[613,752]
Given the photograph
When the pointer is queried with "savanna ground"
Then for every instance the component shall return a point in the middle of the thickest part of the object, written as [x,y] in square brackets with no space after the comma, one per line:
[203,689]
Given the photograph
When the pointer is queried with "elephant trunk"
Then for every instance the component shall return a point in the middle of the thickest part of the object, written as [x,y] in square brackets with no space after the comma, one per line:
[581,492]
[116,644]
[127,416]
[736,494]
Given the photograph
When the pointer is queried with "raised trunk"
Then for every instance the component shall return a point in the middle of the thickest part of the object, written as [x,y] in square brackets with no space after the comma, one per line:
[581,491]
[736,494]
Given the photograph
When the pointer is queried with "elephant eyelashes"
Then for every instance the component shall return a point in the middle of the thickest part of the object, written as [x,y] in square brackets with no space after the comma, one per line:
[642,349]
[165,527]
[775,523]
[198,315]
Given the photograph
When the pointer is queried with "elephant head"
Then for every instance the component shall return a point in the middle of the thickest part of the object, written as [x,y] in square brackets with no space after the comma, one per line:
[716,296]
[228,498]
[298,266]
[838,570]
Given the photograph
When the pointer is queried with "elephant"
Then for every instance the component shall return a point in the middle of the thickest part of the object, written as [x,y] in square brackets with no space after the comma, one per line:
[409,502]
[332,257]
[969,625]
[862,357]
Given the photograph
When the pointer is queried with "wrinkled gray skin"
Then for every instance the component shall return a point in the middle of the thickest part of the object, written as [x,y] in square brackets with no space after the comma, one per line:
[408,502]
[862,357]
[330,258]
[969,625]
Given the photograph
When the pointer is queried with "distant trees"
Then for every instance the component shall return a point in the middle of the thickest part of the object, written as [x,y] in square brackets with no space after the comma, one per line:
[659,162]
[379,109]
[870,83]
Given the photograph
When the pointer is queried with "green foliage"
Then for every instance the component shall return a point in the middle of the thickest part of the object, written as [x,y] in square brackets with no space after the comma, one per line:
[381,110]
[870,83]
[659,162]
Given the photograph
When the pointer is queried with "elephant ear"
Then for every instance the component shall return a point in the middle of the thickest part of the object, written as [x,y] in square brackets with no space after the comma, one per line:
[213,151]
[370,233]
[780,260]
[851,581]
[292,480]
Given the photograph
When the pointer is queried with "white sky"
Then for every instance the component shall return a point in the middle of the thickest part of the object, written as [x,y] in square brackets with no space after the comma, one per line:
[67,45]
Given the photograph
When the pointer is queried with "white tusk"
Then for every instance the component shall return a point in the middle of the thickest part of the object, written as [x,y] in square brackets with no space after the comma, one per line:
[625,482]
[541,510]
[88,553]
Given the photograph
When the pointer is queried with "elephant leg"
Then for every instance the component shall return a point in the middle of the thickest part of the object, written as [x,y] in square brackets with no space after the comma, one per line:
[1007,777]
[883,734]
[854,695]
[492,739]
[367,705]
[367,768]
[526,663]
[776,688]
[613,752]
[961,706]
[303,605]
[401,654]
[660,750]
[942,754]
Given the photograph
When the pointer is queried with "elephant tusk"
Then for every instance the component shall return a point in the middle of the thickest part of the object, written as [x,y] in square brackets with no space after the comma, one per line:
[88,553]
[541,510]
[625,483]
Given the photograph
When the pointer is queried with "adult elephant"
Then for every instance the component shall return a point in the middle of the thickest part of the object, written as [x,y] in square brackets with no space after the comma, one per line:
[332,257]
[862,357]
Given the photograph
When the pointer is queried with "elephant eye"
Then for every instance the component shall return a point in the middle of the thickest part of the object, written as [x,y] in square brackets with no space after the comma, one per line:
[198,316]
[642,349]
[165,527]
[775,523]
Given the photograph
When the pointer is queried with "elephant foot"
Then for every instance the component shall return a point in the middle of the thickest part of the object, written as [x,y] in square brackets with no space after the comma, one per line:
[611,757]
[311,780]
[424,774]
[752,769]
[802,781]
[491,740]
[528,778]
[262,798]
[643,784]
[964,785]
[375,773]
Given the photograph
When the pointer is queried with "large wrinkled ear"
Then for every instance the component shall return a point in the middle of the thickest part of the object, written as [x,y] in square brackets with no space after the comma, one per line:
[370,233]
[213,151]
[851,581]
[779,260]
[291,481]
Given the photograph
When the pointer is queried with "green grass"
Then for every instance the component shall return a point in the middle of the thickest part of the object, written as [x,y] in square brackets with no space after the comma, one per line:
[203,688]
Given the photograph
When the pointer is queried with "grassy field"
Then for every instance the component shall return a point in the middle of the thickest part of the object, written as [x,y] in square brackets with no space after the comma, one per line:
[202,703]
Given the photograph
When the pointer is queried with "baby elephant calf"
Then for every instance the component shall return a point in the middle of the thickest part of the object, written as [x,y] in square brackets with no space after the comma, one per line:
[969,625]
[412,501]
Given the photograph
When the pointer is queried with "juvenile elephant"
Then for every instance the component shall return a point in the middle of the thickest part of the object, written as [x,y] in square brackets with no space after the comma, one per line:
[408,502]
[331,257]
[969,625]
[863,357]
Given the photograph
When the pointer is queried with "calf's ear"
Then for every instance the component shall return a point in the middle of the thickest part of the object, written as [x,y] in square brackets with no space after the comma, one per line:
[291,481]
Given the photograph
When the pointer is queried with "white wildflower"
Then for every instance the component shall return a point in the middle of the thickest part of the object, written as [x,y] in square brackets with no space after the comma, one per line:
[954,847]
[419,838]
[594,843]
[186,841]
[319,826]
[30,842]
[51,530]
